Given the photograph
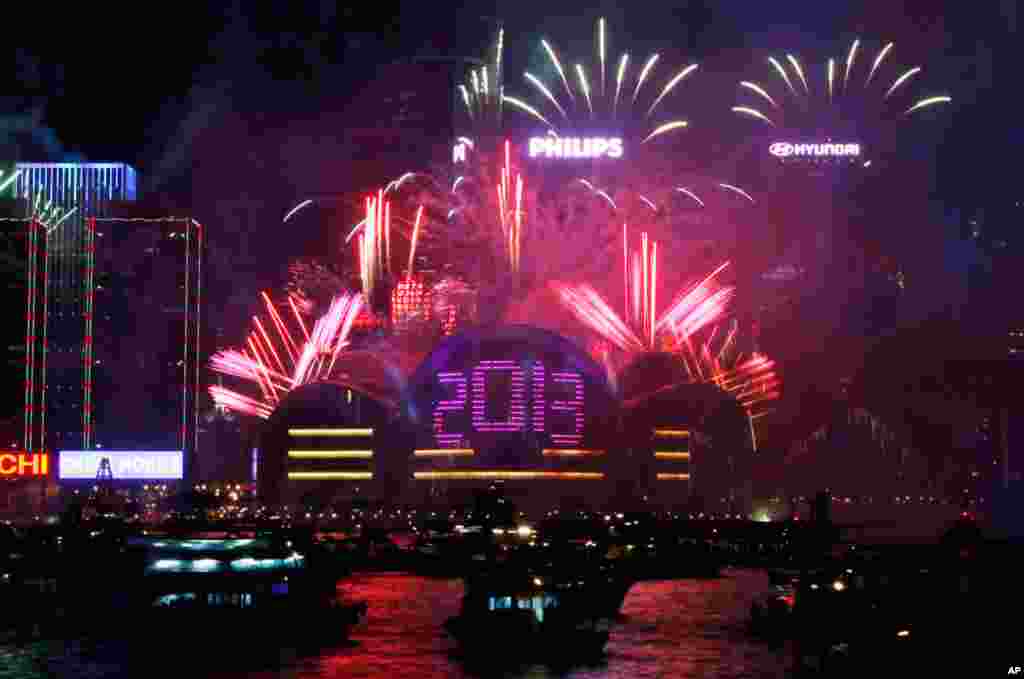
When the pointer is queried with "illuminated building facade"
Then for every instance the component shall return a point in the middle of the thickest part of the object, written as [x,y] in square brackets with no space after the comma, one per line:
[144,299]
[59,323]
[515,405]
[328,442]
[411,302]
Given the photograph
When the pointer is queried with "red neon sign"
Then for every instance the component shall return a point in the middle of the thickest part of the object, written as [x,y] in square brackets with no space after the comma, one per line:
[24,464]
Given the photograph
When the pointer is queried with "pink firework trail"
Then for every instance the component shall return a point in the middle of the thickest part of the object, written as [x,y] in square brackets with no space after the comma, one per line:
[510,209]
[308,360]
[753,382]
[698,307]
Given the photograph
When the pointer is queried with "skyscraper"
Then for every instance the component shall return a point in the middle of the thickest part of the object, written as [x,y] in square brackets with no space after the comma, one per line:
[59,324]
[143,312]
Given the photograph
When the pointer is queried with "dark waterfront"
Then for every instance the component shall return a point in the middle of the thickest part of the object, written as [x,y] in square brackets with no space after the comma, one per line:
[676,628]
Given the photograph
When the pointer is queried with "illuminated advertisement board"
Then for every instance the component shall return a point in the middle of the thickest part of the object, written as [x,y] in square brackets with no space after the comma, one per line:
[785,149]
[163,465]
[575,147]
[24,465]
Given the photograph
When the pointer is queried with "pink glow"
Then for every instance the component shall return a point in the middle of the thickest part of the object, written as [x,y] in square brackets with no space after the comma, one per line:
[307,364]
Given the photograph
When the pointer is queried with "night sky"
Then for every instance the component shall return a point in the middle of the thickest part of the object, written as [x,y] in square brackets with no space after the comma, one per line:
[149,86]
[123,86]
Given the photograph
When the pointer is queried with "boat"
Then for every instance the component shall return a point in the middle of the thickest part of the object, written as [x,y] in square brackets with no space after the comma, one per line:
[541,609]
[235,585]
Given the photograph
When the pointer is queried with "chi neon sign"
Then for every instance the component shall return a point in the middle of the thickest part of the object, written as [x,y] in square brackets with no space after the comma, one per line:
[785,149]
[24,464]
[575,147]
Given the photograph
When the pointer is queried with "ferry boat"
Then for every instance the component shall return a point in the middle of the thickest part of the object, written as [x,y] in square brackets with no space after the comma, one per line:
[235,585]
[541,611]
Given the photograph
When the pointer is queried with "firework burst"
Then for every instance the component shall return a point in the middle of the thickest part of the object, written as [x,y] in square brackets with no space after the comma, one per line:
[798,97]
[569,97]
[487,220]
[289,356]
[687,327]
[481,93]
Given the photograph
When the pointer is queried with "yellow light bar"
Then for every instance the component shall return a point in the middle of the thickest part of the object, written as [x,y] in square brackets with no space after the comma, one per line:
[673,477]
[672,433]
[330,432]
[674,455]
[571,452]
[505,474]
[330,476]
[442,452]
[330,454]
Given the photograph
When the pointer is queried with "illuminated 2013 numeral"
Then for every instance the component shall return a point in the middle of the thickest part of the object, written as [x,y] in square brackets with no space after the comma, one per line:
[516,415]
[572,406]
[472,390]
[457,382]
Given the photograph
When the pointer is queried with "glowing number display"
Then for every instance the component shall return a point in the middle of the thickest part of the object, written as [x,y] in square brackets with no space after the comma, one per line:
[455,382]
[502,401]
[517,399]
[572,406]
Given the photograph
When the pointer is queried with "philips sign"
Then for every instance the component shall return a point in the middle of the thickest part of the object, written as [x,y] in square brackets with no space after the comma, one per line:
[575,147]
[124,465]
[785,149]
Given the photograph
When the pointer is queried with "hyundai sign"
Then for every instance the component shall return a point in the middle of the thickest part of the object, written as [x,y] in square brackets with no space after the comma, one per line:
[163,465]
[785,149]
[575,147]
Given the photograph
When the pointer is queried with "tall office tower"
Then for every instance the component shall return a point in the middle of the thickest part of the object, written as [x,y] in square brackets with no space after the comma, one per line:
[59,347]
[144,293]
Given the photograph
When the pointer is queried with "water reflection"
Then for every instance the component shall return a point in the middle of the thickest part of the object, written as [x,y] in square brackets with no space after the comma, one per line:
[680,628]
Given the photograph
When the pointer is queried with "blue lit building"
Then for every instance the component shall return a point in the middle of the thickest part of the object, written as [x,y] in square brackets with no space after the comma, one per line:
[59,322]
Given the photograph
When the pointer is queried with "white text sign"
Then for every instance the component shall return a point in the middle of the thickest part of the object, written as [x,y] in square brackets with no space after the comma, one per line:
[575,147]
[785,149]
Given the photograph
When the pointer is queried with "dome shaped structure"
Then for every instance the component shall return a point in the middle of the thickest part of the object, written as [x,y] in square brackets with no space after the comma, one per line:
[651,371]
[510,403]
[329,441]
[691,435]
